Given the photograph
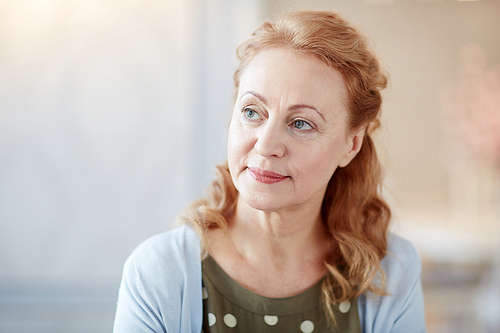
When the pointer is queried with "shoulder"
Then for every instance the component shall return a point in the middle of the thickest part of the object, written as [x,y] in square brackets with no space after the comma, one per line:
[402,263]
[161,284]
[170,255]
[403,305]
[180,243]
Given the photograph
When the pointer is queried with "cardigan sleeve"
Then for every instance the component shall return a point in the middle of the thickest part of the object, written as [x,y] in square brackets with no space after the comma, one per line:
[160,289]
[136,311]
[402,310]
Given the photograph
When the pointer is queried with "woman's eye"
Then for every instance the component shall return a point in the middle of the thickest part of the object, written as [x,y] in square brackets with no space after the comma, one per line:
[302,125]
[251,114]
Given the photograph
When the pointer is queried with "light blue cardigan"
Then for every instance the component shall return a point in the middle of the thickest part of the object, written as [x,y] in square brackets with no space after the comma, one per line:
[161,288]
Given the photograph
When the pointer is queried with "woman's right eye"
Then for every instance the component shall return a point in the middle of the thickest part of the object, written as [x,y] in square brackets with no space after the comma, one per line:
[251,114]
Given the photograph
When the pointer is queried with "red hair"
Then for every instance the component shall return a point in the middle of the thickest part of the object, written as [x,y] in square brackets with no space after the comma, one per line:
[353,211]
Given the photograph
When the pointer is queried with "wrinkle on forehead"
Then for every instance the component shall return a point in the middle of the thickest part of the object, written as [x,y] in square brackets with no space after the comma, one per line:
[271,74]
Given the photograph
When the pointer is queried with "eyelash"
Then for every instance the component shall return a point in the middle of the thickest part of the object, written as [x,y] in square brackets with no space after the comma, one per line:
[245,113]
[293,124]
[304,123]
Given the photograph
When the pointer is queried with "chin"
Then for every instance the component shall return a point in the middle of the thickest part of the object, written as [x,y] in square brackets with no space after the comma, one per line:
[262,201]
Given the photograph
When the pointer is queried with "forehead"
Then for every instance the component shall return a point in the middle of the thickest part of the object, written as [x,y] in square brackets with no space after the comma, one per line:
[290,76]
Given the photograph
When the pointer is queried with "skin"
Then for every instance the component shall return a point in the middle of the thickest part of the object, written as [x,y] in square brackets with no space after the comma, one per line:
[289,118]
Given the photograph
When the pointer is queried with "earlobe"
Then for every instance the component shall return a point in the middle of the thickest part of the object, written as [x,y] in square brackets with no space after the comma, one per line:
[356,142]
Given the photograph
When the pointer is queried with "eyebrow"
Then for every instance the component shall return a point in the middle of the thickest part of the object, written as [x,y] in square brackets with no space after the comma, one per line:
[259,97]
[292,108]
[305,106]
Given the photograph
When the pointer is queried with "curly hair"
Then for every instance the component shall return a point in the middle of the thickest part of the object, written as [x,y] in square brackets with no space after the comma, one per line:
[353,211]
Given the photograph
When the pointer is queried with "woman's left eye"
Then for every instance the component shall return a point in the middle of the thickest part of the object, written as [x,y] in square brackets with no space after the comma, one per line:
[302,125]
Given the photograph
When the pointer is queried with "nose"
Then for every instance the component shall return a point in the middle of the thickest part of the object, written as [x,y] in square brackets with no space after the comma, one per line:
[270,141]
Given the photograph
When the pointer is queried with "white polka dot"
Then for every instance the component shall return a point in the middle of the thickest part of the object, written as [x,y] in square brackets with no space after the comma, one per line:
[230,320]
[211,319]
[271,320]
[307,326]
[205,293]
[344,306]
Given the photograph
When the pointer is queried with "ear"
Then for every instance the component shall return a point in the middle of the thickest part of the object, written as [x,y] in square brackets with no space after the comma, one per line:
[355,141]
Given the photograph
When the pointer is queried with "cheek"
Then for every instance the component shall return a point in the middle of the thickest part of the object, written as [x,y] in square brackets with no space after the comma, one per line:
[240,140]
[319,167]
[319,161]
[232,143]
[237,147]
[232,155]
[238,151]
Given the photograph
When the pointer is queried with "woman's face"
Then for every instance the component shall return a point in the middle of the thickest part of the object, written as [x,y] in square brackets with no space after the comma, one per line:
[288,131]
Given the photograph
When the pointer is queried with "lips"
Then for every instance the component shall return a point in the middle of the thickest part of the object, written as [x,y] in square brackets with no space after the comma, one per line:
[266,177]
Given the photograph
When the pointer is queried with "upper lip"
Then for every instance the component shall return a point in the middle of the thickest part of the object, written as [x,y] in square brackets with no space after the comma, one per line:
[266,173]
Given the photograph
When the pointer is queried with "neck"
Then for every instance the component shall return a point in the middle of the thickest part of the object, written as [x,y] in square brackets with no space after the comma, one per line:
[293,235]
[274,254]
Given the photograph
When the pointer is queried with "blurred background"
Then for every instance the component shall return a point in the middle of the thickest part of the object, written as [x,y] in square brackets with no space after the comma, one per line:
[113,114]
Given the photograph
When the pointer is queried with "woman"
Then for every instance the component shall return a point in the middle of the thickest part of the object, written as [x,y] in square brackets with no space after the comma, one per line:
[292,236]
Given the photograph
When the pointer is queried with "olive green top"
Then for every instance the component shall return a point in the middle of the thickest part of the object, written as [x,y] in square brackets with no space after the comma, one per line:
[229,307]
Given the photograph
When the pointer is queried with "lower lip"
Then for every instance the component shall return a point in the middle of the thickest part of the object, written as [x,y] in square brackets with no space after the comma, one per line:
[265,178]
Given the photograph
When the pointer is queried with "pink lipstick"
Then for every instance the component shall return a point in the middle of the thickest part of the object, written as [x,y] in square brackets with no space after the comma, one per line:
[266,177]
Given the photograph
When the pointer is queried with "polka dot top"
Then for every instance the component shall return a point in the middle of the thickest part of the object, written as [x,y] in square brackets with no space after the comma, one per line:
[229,307]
